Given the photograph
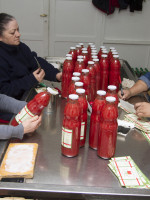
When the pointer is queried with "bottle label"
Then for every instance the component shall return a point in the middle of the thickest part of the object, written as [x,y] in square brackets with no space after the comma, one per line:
[23,115]
[66,137]
[82,130]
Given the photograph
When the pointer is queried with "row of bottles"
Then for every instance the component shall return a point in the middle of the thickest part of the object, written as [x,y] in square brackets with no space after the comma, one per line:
[103,123]
[104,68]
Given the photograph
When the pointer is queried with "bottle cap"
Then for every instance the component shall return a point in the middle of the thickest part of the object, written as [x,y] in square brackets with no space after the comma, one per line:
[115,56]
[102,47]
[76,73]
[111,48]
[94,51]
[93,45]
[78,83]
[75,78]
[90,62]
[80,90]
[73,96]
[90,43]
[101,92]
[104,51]
[112,87]
[72,48]
[104,55]
[85,70]
[81,43]
[110,99]
[68,55]
[84,51]
[53,91]
[80,59]
[114,52]
[78,46]
[68,58]
[79,56]
[95,59]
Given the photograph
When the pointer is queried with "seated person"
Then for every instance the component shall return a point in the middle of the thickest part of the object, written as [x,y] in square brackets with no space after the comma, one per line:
[142,85]
[19,70]
[12,105]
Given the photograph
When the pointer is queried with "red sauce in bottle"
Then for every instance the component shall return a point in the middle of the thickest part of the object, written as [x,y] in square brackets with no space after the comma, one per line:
[112,91]
[68,68]
[104,72]
[71,127]
[110,52]
[100,51]
[108,129]
[83,108]
[114,71]
[85,57]
[97,69]
[71,89]
[33,107]
[95,118]
[78,50]
[79,65]
[78,85]
[85,78]
[74,54]
[92,73]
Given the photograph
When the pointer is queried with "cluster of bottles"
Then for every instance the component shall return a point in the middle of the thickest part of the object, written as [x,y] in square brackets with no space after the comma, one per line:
[139,71]
[103,123]
[96,70]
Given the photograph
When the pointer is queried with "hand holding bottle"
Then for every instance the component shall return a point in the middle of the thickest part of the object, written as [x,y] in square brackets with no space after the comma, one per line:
[39,74]
[30,125]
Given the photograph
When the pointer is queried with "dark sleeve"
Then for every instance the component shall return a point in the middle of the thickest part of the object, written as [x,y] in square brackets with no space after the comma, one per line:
[8,131]
[50,70]
[10,104]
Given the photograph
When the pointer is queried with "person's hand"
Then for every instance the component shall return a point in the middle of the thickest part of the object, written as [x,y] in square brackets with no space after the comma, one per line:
[126,94]
[142,109]
[59,76]
[30,125]
[39,74]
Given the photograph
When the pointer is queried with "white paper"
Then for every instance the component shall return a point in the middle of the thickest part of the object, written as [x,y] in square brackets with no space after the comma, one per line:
[128,106]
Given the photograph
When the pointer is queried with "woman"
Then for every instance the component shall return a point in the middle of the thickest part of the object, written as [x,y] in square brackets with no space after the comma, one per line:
[142,85]
[19,71]
[12,105]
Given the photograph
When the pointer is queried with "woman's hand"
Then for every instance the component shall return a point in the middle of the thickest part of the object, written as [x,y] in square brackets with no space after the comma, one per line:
[39,74]
[126,94]
[59,76]
[142,109]
[30,125]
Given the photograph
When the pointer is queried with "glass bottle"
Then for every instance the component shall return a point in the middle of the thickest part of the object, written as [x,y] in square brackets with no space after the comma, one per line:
[83,108]
[71,89]
[85,78]
[79,65]
[108,129]
[112,91]
[97,69]
[71,127]
[95,118]
[74,54]
[85,57]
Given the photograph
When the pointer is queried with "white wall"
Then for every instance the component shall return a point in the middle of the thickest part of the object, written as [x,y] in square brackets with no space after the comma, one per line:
[73,21]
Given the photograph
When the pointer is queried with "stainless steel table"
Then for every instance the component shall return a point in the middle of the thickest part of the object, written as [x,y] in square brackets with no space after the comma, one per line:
[83,177]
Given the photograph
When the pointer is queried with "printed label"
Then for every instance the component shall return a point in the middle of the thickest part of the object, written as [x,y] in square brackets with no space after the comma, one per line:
[66,137]
[23,115]
[82,130]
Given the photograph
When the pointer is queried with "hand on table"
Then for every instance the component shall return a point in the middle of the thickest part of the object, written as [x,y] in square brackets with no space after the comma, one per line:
[30,125]
[39,74]
[142,109]
[126,94]
[59,76]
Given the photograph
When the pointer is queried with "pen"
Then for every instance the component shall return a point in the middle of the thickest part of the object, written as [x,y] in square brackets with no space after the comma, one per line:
[122,93]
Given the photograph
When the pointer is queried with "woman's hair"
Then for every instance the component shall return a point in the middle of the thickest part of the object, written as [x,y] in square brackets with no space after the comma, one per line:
[4,20]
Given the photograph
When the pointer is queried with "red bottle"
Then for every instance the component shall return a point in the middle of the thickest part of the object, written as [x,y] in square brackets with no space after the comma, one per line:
[71,127]
[74,54]
[114,71]
[71,89]
[81,44]
[68,68]
[104,72]
[85,57]
[110,51]
[85,78]
[92,73]
[95,118]
[33,107]
[112,91]
[83,108]
[97,69]
[78,85]
[79,65]
[112,54]
[100,51]
[78,49]
[76,74]
[108,129]
[80,56]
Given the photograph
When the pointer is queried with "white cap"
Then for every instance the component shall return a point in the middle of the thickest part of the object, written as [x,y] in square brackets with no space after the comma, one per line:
[80,59]
[85,70]
[68,58]
[110,99]
[80,90]
[102,47]
[68,55]
[94,50]
[112,87]
[76,73]
[90,62]
[104,55]
[79,83]
[93,45]
[80,56]
[84,51]
[104,51]
[101,92]
[74,78]
[72,48]
[115,56]
[95,59]
[52,91]
[90,43]
[80,43]
[111,48]
[73,96]
[114,52]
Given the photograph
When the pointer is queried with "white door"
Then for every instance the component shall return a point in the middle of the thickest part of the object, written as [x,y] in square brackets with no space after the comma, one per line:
[32,17]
